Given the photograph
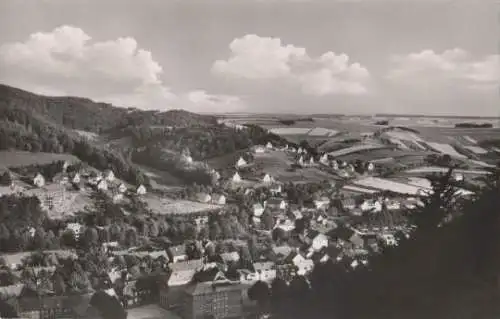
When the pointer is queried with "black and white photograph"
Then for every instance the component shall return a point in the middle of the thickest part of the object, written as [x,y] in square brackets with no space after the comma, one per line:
[250,159]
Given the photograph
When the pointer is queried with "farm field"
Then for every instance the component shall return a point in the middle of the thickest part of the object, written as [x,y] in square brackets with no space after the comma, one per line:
[17,258]
[21,158]
[167,206]
[445,149]
[277,164]
[356,149]
[388,185]
[435,169]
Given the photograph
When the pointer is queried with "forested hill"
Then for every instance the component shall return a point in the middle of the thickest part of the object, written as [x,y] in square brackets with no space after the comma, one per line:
[84,114]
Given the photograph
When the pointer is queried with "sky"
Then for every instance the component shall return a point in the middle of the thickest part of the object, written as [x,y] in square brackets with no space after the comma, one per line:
[433,57]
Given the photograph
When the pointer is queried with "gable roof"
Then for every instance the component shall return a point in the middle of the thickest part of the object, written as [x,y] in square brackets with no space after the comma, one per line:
[186,265]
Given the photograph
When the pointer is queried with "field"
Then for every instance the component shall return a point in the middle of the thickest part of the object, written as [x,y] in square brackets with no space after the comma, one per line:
[17,258]
[166,206]
[277,164]
[389,185]
[435,169]
[445,149]
[20,158]
[356,148]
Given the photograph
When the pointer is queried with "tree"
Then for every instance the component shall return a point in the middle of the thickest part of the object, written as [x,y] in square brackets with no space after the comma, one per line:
[5,179]
[260,293]
[267,220]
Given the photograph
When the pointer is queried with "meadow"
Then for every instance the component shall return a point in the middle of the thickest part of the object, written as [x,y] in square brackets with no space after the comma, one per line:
[20,158]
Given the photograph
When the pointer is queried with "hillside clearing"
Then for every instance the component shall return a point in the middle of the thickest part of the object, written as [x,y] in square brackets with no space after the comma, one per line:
[20,158]
[356,148]
[167,206]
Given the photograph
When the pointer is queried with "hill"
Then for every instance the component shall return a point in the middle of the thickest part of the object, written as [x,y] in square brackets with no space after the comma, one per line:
[62,125]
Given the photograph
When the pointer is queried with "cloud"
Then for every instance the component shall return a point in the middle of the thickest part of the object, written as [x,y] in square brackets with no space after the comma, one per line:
[65,61]
[451,66]
[264,58]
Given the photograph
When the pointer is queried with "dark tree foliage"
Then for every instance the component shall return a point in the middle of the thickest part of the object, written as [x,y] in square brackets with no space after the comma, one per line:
[448,267]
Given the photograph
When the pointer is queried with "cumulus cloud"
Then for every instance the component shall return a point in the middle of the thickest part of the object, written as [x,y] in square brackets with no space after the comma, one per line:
[65,61]
[264,58]
[450,65]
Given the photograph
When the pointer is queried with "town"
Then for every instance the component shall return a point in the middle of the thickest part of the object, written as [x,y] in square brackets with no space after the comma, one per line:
[271,214]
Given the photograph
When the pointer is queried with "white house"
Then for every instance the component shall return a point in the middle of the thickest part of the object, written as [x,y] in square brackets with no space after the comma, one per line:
[458,177]
[265,271]
[275,189]
[256,220]
[319,242]
[286,225]
[322,203]
[371,205]
[203,197]
[219,199]
[76,178]
[324,159]
[215,174]
[300,161]
[39,180]
[109,175]
[334,165]
[344,173]
[269,146]
[236,178]
[350,168]
[300,150]
[258,210]
[76,228]
[370,167]
[141,190]
[267,179]
[102,185]
[392,204]
[259,149]
[241,162]
[275,203]
[122,188]
[388,239]
[311,160]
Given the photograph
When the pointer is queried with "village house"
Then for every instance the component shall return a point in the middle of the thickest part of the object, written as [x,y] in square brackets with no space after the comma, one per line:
[275,189]
[181,275]
[372,205]
[94,178]
[286,225]
[269,146]
[322,203]
[102,185]
[116,195]
[392,204]
[241,162]
[236,178]
[203,197]
[458,177]
[334,165]
[215,174]
[265,271]
[109,175]
[324,159]
[39,180]
[344,173]
[259,149]
[141,190]
[275,203]
[300,161]
[311,160]
[317,240]
[178,253]
[230,257]
[75,178]
[370,167]
[388,239]
[346,236]
[304,265]
[76,228]
[122,188]
[348,203]
[258,209]
[219,199]
[267,179]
